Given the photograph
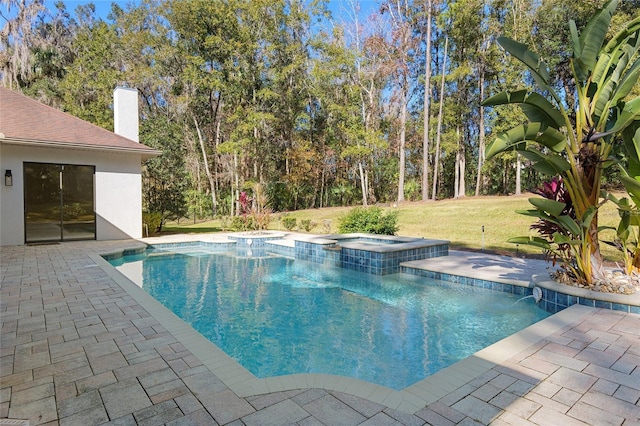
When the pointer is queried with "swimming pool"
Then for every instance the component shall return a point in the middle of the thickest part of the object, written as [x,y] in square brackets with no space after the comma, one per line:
[278,316]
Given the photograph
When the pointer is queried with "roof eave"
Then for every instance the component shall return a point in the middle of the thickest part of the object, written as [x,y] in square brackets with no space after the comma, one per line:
[144,151]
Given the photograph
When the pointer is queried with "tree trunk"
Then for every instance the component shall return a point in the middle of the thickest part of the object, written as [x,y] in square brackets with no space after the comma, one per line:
[371,196]
[216,112]
[217,180]
[456,180]
[212,184]
[518,180]
[481,136]
[321,186]
[462,164]
[437,155]
[505,178]
[403,120]
[427,99]
[234,200]
[363,184]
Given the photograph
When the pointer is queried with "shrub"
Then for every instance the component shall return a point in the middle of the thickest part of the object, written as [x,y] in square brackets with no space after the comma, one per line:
[260,210]
[371,220]
[308,224]
[289,223]
[153,220]
[412,190]
[225,222]
[244,223]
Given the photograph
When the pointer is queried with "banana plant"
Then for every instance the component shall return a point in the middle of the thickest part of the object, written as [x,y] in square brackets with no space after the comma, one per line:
[576,142]
[566,243]
[627,233]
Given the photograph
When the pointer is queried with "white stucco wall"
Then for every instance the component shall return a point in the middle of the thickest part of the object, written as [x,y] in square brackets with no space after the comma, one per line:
[125,113]
[118,190]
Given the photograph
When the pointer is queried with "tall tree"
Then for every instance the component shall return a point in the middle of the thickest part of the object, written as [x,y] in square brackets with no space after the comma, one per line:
[87,87]
[402,44]
[436,160]
[17,39]
[427,102]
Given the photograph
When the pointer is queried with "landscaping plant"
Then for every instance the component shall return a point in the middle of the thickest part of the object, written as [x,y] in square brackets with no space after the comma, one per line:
[289,223]
[577,142]
[308,225]
[370,220]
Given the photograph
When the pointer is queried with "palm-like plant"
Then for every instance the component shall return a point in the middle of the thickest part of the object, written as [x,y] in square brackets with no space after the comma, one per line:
[577,142]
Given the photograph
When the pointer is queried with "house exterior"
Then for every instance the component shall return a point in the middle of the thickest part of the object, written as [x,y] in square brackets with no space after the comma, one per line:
[65,179]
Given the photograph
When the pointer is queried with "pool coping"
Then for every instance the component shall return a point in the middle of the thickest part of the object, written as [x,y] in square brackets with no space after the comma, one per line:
[399,243]
[409,400]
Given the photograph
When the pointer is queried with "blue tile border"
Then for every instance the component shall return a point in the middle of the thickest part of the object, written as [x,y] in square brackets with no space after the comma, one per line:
[552,301]
[253,240]
[368,261]
[125,252]
[163,246]
[194,244]
[564,296]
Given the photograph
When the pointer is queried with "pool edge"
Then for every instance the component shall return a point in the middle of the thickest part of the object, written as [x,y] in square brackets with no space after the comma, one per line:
[409,400]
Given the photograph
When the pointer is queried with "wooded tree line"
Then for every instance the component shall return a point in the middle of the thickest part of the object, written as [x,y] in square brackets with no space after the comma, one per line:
[320,109]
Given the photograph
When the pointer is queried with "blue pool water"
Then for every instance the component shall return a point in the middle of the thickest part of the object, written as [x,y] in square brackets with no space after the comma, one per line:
[277,316]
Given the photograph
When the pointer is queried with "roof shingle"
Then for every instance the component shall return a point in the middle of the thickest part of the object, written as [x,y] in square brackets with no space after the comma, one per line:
[26,121]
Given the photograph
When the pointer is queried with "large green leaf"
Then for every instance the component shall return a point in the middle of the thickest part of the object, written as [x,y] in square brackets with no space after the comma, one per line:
[532,213]
[591,41]
[633,188]
[563,239]
[546,117]
[630,114]
[552,139]
[629,214]
[552,207]
[631,140]
[570,225]
[548,164]
[538,214]
[575,38]
[623,230]
[527,132]
[537,66]
[617,40]
[532,241]
[625,211]
[588,216]
[622,47]
[618,83]
[536,107]
[628,82]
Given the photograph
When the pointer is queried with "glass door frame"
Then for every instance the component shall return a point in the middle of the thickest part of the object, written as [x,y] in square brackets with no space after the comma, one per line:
[70,207]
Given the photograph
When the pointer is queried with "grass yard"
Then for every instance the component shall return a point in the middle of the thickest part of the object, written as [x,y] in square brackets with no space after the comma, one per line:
[459,221]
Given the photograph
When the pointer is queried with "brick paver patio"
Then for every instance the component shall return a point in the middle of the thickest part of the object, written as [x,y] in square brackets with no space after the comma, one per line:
[77,349]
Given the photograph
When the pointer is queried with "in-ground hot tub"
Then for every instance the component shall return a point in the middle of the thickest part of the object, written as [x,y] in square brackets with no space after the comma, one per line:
[374,254]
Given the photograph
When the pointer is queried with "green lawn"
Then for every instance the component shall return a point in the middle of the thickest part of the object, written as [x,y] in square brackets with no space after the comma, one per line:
[459,221]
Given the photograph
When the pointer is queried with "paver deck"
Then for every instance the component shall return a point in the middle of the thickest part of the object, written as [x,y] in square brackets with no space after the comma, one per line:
[78,347]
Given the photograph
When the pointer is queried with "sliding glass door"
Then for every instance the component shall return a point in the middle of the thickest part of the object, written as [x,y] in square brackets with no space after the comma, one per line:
[42,202]
[59,202]
[78,215]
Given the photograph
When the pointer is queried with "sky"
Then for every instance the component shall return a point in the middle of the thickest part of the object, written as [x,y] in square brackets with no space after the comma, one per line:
[103,7]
